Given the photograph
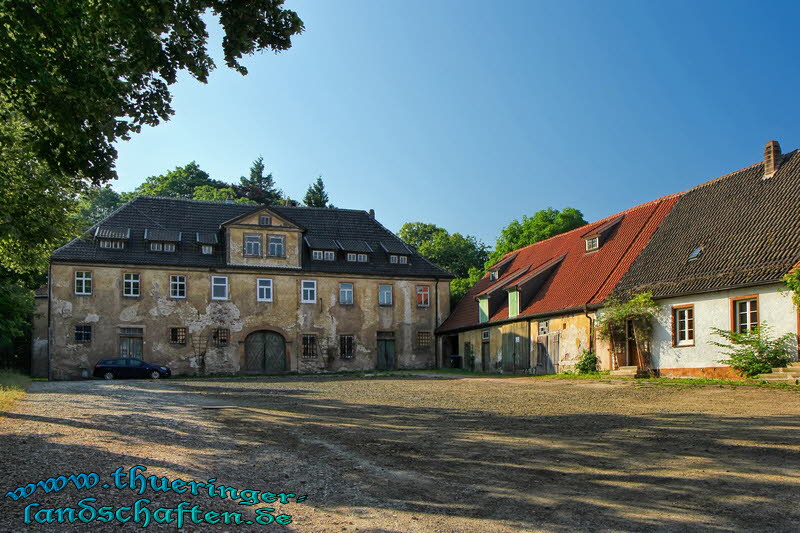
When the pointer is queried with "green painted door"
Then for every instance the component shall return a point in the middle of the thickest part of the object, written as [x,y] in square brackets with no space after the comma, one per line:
[265,352]
[386,354]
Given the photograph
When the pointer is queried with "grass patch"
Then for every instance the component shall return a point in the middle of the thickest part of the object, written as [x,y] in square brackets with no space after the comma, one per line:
[12,387]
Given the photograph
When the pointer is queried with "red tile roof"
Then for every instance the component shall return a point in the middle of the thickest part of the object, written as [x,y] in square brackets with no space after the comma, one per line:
[581,278]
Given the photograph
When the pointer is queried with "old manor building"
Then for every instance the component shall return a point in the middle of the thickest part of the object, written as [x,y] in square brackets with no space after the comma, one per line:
[208,288]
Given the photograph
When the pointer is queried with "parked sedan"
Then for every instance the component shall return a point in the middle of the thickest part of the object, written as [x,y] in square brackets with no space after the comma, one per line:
[127,367]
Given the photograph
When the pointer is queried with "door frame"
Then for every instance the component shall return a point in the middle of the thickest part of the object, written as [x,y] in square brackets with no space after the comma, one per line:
[243,355]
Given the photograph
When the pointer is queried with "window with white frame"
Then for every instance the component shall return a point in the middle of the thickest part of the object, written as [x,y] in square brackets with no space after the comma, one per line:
[177,286]
[493,275]
[485,335]
[264,220]
[384,295]
[156,247]
[403,259]
[117,245]
[169,246]
[330,255]
[346,293]
[393,259]
[130,285]
[276,246]
[264,290]
[351,257]
[683,326]
[219,287]
[207,249]
[423,296]
[362,258]
[252,245]
[308,292]
[317,255]
[745,314]
[83,282]
[592,243]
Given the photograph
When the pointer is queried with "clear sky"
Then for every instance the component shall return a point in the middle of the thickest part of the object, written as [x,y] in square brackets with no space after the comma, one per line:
[469,114]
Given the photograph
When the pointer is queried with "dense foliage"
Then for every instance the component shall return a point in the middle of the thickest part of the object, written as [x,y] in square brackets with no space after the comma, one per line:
[792,280]
[316,196]
[542,225]
[613,319]
[755,352]
[587,363]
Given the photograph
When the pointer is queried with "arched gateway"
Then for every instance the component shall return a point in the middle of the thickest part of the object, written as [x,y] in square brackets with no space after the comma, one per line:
[265,352]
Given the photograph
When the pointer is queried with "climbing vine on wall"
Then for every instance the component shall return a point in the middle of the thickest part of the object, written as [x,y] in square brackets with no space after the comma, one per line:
[792,280]
[639,309]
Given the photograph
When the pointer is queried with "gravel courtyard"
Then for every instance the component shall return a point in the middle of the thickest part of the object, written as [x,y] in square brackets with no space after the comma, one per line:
[421,453]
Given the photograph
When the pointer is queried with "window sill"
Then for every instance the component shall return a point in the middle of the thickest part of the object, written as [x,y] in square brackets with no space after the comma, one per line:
[385,305]
[177,297]
[308,301]
[264,301]
[683,345]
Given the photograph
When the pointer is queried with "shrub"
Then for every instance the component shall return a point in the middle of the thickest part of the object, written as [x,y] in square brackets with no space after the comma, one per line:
[756,352]
[587,363]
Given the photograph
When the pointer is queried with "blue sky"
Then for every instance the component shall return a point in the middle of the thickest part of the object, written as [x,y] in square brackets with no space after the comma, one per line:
[469,114]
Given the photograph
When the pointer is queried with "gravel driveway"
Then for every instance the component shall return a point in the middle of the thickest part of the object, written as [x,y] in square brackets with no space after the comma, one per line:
[424,453]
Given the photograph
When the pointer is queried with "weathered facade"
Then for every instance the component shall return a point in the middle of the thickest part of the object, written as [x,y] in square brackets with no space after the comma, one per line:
[534,311]
[208,288]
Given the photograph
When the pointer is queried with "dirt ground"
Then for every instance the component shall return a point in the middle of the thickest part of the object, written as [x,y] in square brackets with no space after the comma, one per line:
[421,454]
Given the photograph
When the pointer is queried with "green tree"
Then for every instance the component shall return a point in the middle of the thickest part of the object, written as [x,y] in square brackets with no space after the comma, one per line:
[178,183]
[95,203]
[85,74]
[418,233]
[258,187]
[316,195]
[542,225]
[16,308]
[37,204]
[214,194]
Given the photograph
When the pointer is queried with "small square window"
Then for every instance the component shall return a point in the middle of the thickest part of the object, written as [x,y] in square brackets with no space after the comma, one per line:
[384,295]
[493,275]
[352,257]
[219,287]
[592,244]
[362,258]
[317,255]
[83,334]
[130,285]
[177,286]
[424,339]
[177,335]
[156,246]
[346,346]
[252,245]
[346,293]
[276,246]
[220,337]
[264,220]
[169,246]
[83,282]
[485,335]
[308,292]
[423,296]
[264,290]
[309,346]
[330,256]
[207,249]
[403,259]
[393,259]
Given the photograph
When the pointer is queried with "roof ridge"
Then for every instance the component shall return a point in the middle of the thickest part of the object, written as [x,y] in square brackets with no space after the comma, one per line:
[602,220]
[730,174]
[212,202]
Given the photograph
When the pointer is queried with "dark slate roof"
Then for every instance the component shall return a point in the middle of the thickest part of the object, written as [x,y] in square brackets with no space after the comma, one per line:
[109,232]
[317,243]
[354,246]
[162,235]
[204,237]
[197,219]
[394,247]
[747,227]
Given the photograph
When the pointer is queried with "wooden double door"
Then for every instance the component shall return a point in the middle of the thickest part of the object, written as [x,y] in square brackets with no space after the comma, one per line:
[265,353]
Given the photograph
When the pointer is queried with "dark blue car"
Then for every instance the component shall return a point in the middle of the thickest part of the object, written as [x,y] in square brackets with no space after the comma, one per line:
[127,367]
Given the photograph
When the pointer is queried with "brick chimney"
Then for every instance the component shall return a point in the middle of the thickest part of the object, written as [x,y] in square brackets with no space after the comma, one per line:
[772,159]
[372,211]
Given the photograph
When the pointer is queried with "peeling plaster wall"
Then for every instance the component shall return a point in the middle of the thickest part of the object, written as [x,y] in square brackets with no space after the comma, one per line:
[39,342]
[154,311]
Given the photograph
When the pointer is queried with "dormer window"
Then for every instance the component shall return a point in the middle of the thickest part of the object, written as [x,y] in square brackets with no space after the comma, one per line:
[403,259]
[264,220]
[330,256]
[207,249]
[593,243]
[162,246]
[494,275]
[393,259]
[116,245]
[316,255]
[352,258]
[362,258]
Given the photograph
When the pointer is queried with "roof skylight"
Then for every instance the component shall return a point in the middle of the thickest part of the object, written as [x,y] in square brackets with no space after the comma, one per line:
[696,254]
